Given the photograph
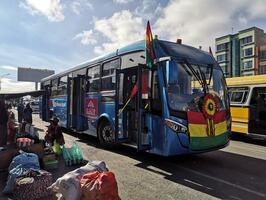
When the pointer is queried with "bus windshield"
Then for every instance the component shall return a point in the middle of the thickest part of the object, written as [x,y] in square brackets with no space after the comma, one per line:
[186,83]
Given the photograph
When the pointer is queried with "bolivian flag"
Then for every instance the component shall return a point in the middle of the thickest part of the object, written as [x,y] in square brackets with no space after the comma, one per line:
[150,55]
[207,133]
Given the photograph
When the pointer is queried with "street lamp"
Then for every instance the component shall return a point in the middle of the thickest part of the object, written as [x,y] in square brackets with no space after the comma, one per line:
[2,76]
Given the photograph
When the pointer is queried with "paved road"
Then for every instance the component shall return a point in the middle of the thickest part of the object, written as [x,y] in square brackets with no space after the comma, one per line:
[236,172]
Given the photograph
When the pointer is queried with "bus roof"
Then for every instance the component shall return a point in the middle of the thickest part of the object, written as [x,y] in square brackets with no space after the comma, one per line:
[246,80]
[178,51]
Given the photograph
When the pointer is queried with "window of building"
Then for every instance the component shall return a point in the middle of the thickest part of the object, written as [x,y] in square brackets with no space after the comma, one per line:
[262,55]
[248,74]
[108,75]
[248,64]
[246,40]
[247,52]
[262,69]
[94,79]
[221,58]
[221,47]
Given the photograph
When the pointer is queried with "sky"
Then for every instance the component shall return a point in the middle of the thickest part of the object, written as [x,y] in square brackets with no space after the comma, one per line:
[59,34]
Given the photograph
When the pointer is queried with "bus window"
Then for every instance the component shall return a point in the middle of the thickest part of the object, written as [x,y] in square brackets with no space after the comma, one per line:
[238,95]
[156,103]
[94,79]
[54,87]
[80,72]
[62,87]
[108,75]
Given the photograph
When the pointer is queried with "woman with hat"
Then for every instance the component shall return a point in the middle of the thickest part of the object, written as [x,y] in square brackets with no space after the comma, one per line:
[54,133]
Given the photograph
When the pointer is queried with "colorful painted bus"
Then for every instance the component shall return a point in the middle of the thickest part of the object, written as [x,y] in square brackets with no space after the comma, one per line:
[248,104]
[179,106]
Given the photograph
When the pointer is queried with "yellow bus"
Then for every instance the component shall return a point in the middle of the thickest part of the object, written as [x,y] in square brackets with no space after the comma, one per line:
[248,104]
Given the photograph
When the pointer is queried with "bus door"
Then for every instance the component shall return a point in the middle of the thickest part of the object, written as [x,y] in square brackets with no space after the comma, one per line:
[129,108]
[257,113]
[45,104]
[77,119]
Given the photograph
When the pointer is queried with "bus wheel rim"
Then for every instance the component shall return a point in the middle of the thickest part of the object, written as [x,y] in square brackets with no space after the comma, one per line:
[108,134]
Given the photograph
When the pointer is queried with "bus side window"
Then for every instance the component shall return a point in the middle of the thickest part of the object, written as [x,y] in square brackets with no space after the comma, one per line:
[108,75]
[156,103]
[94,79]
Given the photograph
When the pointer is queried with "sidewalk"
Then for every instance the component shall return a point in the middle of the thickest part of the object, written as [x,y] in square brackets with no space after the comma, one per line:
[60,171]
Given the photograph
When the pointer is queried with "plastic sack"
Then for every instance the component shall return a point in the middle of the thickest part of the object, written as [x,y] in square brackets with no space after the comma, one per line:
[56,148]
[69,185]
[19,165]
[73,155]
[99,185]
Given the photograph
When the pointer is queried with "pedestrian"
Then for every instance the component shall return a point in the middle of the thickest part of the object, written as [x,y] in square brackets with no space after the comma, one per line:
[12,129]
[3,124]
[20,110]
[27,114]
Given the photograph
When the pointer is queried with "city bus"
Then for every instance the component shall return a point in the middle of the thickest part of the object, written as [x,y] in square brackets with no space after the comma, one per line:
[248,104]
[179,106]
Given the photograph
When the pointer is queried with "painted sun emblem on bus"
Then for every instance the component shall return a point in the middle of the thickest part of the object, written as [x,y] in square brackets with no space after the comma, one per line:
[209,106]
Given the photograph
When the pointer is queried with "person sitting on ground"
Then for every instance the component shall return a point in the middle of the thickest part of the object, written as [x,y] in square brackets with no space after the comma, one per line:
[54,133]
[12,129]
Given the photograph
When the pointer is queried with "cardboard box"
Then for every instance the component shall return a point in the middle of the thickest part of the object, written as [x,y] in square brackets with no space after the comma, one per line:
[37,149]
[49,157]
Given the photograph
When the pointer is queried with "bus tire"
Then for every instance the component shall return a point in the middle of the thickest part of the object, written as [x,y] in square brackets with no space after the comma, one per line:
[106,134]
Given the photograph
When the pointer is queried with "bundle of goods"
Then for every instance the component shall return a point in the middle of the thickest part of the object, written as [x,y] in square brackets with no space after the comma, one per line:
[19,165]
[73,155]
[24,142]
[28,131]
[99,185]
[33,184]
[69,185]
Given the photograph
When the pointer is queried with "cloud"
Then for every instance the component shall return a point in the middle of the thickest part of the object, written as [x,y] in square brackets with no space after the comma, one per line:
[52,9]
[9,85]
[200,22]
[149,10]
[122,1]
[120,29]
[7,67]
[78,5]
[86,37]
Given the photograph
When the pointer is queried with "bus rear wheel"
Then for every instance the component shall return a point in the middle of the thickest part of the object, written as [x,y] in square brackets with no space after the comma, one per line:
[106,135]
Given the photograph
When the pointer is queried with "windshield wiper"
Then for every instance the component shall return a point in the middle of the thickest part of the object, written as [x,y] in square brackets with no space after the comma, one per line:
[200,77]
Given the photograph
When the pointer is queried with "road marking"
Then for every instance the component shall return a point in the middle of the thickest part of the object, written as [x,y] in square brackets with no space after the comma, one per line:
[223,181]
[198,184]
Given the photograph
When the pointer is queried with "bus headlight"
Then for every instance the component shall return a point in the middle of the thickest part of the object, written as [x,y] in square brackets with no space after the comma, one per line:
[175,126]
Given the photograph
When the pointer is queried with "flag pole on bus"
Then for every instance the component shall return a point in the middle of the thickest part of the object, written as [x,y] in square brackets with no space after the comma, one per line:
[150,56]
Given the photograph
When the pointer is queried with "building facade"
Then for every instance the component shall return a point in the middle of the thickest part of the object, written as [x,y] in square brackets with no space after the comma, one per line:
[239,54]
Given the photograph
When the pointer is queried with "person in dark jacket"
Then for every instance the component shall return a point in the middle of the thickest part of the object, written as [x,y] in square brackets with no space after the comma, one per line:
[3,123]
[27,114]
[20,109]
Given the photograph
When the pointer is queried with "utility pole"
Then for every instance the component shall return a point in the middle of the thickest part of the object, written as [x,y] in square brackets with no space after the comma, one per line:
[1,79]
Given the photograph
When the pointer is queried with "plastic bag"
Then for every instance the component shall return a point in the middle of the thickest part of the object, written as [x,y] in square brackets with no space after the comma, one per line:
[56,148]
[99,185]
[72,155]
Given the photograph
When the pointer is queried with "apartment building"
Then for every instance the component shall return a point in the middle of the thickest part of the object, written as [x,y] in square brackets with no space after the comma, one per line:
[239,54]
